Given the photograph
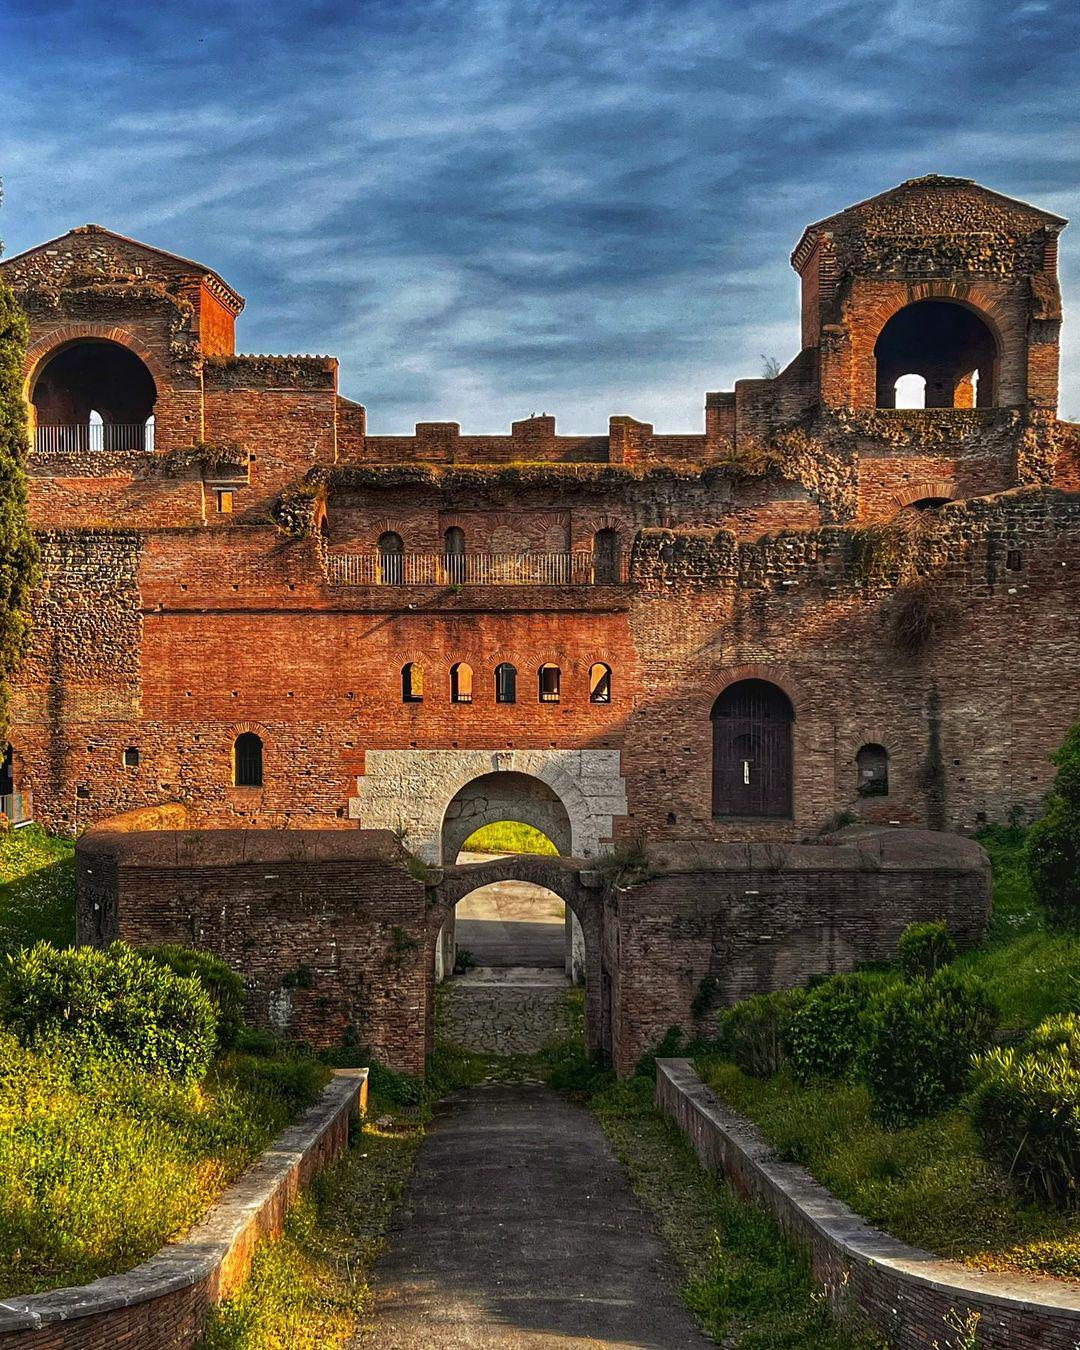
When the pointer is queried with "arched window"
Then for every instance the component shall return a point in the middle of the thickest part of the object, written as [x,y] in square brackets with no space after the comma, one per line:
[247,760]
[412,682]
[391,558]
[454,546]
[607,558]
[7,773]
[461,683]
[943,343]
[505,683]
[909,391]
[752,757]
[548,679]
[599,683]
[94,395]
[872,762]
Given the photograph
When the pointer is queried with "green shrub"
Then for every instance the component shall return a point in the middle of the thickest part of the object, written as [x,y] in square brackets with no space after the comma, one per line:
[1053,842]
[924,948]
[826,1031]
[755,1034]
[569,1068]
[225,987]
[920,1040]
[112,1004]
[1025,1106]
[670,1044]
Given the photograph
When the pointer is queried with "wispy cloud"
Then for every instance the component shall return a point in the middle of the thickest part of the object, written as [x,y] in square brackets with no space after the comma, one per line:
[489,206]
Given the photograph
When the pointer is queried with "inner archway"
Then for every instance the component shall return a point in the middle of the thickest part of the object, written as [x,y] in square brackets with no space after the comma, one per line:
[948,345]
[94,395]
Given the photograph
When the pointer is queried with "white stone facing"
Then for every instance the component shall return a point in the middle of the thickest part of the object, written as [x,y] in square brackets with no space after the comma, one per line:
[408,791]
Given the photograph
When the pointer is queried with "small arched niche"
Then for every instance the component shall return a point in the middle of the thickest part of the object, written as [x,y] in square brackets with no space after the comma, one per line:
[947,345]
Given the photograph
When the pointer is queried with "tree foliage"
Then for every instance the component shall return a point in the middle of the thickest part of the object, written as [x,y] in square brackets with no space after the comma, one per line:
[18,552]
[1053,842]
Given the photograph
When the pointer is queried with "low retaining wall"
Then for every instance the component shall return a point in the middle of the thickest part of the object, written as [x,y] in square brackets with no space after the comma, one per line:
[164,1302]
[904,1293]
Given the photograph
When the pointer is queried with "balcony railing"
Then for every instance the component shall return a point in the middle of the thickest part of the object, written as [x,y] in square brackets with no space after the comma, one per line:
[17,808]
[95,436]
[469,569]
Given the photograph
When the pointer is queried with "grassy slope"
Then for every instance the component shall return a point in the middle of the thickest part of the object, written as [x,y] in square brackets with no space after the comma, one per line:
[508,836]
[37,889]
[748,1287]
[928,1183]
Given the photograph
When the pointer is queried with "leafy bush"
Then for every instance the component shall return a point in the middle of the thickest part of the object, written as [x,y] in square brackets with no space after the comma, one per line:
[826,1032]
[569,1068]
[225,987]
[756,1033]
[1053,842]
[924,948]
[1026,1109]
[670,1044]
[920,1040]
[112,1004]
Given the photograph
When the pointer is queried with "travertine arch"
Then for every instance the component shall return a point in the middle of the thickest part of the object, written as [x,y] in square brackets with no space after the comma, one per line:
[408,791]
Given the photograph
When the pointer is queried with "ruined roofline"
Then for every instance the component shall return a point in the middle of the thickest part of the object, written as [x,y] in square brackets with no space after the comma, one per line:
[217,284]
[811,233]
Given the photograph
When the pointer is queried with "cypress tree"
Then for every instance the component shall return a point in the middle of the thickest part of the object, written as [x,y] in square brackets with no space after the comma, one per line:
[18,552]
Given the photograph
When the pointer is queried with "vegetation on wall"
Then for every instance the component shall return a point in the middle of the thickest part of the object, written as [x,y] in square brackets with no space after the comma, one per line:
[18,552]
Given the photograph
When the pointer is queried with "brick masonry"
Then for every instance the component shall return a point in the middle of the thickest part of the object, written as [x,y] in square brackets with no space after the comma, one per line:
[904,1293]
[335,931]
[164,1302]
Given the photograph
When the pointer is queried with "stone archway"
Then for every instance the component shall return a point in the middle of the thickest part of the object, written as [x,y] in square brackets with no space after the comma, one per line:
[409,791]
[506,795]
[582,891]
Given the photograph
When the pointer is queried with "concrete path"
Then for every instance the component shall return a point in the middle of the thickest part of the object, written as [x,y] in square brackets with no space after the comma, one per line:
[512,923]
[519,1231]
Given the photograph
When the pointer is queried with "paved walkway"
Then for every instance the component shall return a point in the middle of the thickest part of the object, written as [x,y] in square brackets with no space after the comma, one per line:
[504,1010]
[519,1231]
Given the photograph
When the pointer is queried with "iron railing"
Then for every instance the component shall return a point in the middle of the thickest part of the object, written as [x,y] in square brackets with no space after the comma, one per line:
[93,436]
[467,569]
[17,807]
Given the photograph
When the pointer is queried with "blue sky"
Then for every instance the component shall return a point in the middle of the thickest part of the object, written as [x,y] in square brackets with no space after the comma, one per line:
[488,208]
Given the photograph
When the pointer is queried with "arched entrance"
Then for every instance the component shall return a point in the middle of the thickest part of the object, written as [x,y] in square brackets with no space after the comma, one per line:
[554,877]
[947,345]
[752,751]
[93,394]
[500,801]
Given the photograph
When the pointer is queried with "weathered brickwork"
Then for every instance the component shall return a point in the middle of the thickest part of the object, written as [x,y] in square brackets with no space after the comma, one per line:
[219,575]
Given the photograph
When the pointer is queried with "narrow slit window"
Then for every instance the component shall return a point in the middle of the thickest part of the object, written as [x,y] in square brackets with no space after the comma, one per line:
[461,683]
[131,757]
[412,683]
[549,681]
[247,760]
[600,683]
[505,683]
[225,501]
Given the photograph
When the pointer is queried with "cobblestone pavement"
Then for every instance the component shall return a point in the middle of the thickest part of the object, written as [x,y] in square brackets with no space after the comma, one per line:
[504,1011]
[518,1230]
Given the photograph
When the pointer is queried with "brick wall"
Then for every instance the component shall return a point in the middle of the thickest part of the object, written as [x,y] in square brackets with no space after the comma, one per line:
[764,917]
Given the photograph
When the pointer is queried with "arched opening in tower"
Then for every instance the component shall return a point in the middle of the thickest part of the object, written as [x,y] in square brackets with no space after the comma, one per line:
[94,395]
[944,344]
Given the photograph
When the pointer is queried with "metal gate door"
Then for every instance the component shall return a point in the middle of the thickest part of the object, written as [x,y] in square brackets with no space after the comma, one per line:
[752,750]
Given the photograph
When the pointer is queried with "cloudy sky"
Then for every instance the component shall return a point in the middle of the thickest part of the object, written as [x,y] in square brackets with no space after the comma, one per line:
[488,208]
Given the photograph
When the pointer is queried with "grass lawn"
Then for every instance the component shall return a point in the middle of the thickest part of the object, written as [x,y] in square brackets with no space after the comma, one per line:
[928,1183]
[100,1164]
[508,836]
[37,889]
